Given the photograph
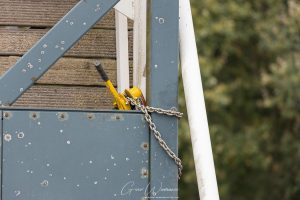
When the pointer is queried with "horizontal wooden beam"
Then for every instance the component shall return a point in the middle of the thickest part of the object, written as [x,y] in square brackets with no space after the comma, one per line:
[96,43]
[43,13]
[71,71]
[46,96]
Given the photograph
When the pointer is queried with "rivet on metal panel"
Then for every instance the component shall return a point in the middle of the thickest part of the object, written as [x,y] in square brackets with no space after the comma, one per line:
[29,65]
[21,135]
[63,116]
[160,20]
[117,117]
[97,8]
[7,137]
[7,115]
[91,116]
[145,146]
[34,115]
[44,183]
[144,173]
[17,193]
[174,109]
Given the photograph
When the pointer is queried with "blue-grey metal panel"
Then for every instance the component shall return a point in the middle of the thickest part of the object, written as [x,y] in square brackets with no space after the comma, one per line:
[163,93]
[1,153]
[51,47]
[74,155]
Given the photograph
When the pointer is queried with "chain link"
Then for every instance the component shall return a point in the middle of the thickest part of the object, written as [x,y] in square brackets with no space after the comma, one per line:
[146,110]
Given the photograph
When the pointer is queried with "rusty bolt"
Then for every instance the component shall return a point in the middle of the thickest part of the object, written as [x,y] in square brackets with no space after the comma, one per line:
[145,146]
[62,116]
[144,173]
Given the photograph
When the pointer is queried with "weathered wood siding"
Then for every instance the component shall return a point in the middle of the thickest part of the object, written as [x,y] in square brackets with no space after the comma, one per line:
[73,81]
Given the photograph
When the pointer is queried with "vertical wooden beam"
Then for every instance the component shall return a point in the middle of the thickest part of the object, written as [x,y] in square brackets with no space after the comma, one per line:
[139,44]
[126,8]
[122,51]
[164,56]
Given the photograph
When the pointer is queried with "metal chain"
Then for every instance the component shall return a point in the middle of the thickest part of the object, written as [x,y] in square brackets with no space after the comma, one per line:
[165,112]
[146,109]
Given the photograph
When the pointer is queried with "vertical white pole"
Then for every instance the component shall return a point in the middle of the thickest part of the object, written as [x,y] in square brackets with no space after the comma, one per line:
[122,51]
[205,170]
[139,44]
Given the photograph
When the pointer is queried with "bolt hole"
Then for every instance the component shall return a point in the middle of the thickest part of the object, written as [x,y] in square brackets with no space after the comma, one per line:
[21,135]
[90,116]
[144,173]
[63,116]
[6,115]
[145,146]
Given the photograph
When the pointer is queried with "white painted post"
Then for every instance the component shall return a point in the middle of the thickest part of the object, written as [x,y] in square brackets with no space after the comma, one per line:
[122,51]
[126,8]
[139,44]
[205,169]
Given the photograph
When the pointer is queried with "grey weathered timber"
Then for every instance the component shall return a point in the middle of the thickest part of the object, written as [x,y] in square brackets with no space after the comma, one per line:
[71,71]
[61,97]
[163,93]
[43,13]
[51,47]
[96,43]
[71,155]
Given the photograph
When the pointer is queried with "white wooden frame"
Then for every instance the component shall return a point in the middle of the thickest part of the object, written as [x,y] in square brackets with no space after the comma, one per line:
[137,11]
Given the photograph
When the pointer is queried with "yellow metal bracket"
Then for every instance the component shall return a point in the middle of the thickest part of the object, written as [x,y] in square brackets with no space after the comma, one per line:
[121,102]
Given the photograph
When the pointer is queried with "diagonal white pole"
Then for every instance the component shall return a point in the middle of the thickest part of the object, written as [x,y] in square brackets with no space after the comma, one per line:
[205,170]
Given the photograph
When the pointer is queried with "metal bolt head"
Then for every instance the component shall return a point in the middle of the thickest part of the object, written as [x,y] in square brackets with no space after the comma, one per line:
[44,183]
[7,137]
[63,116]
[145,146]
[34,115]
[144,173]
[91,116]
[7,115]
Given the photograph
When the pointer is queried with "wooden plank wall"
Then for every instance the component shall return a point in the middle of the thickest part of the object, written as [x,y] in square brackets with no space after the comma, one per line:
[73,81]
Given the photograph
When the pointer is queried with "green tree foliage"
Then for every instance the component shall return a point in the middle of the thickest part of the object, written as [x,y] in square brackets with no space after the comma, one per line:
[250,64]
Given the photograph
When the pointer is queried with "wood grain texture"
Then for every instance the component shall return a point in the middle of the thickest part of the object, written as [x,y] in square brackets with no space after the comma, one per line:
[71,71]
[97,43]
[73,81]
[49,96]
[42,13]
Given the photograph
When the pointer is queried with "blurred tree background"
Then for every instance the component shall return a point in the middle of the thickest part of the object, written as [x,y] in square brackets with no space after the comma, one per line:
[250,63]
